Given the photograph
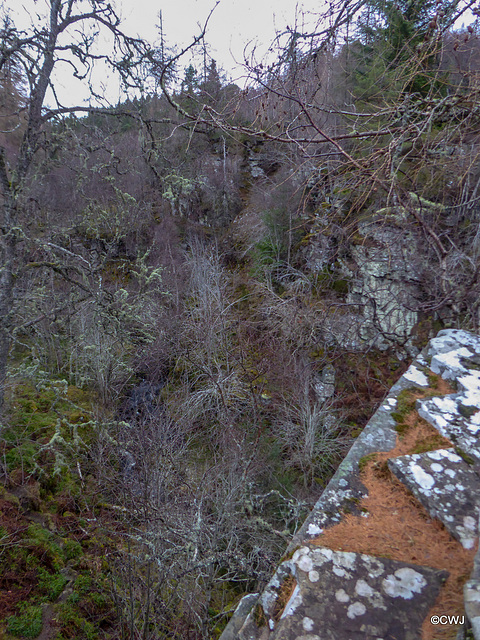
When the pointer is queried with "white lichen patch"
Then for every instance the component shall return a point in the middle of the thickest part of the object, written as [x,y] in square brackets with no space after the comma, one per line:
[307,624]
[305,563]
[269,598]
[300,552]
[313,576]
[404,583]
[467,543]
[424,480]
[342,596]
[474,425]
[374,598]
[314,530]
[449,364]
[446,404]
[416,376]
[450,339]
[274,582]
[470,383]
[362,588]
[435,455]
[375,567]
[437,468]
[450,455]
[345,559]
[389,404]
[322,555]
[356,609]
[438,421]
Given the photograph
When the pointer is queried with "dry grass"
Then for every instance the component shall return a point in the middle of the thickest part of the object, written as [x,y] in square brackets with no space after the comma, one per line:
[398,527]
[284,595]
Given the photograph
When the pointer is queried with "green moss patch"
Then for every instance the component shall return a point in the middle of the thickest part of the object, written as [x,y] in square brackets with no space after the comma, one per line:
[27,624]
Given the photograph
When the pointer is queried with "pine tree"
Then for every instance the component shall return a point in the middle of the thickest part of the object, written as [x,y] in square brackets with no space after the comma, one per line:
[397,45]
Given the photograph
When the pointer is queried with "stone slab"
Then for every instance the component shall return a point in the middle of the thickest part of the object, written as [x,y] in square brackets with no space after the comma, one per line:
[457,418]
[448,488]
[471,596]
[339,594]
[453,353]
[345,490]
[450,339]
[241,612]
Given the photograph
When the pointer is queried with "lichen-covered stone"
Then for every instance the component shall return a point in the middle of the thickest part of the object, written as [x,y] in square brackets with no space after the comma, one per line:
[349,595]
[451,339]
[384,273]
[236,621]
[456,417]
[416,375]
[447,487]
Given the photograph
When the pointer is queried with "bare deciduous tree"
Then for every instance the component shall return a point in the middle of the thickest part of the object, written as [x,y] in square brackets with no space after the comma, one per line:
[66,37]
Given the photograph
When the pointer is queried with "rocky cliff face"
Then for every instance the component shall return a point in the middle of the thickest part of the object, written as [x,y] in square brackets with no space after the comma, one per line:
[385,270]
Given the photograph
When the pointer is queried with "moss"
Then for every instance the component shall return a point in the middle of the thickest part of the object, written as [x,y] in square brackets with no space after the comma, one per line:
[72,549]
[45,543]
[467,411]
[401,428]
[21,457]
[28,624]
[431,443]
[397,416]
[83,584]
[340,286]
[364,461]
[74,624]
[467,458]
[9,497]
[51,585]
[406,402]
[433,380]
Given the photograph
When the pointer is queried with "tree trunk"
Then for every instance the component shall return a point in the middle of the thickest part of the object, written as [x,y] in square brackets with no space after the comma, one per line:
[6,293]
[8,244]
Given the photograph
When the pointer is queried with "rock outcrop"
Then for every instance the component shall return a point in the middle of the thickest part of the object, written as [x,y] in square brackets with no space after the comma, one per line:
[385,272]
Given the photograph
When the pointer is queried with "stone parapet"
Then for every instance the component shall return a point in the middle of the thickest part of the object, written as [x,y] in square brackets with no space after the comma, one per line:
[321,593]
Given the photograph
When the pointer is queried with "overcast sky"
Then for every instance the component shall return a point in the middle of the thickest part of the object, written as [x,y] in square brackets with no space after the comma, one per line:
[233,25]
